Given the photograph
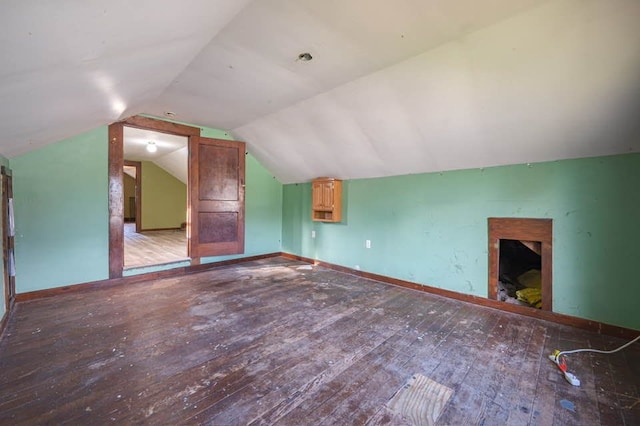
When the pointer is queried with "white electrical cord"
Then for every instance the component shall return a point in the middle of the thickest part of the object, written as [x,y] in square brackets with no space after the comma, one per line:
[598,350]
[555,358]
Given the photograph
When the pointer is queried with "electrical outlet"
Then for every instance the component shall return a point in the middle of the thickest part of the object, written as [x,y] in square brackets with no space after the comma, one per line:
[367,243]
[313,234]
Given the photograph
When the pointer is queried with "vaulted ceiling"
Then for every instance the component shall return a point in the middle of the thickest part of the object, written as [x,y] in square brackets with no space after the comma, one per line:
[394,87]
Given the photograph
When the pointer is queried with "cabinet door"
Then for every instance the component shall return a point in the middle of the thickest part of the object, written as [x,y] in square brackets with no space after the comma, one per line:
[327,195]
[326,200]
[318,195]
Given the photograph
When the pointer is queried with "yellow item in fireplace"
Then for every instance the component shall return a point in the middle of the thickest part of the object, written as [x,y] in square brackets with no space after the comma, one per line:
[531,279]
[532,296]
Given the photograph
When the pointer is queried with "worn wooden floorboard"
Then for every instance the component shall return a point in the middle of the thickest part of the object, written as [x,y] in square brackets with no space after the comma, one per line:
[510,349]
[280,347]
[293,377]
[269,342]
[522,410]
[146,348]
[472,406]
[361,396]
[548,377]
[292,361]
[237,351]
[370,338]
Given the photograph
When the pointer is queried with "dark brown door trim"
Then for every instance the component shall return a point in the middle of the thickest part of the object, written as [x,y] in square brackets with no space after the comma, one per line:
[8,242]
[116,193]
[116,201]
[147,123]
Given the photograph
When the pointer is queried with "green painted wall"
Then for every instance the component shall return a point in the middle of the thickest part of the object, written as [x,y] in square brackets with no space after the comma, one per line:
[428,228]
[61,212]
[61,205]
[432,229]
[164,198]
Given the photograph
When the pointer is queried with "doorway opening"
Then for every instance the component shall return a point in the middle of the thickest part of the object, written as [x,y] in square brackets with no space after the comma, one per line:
[135,128]
[155,197]
[215,175]
[519,275]
[520,254]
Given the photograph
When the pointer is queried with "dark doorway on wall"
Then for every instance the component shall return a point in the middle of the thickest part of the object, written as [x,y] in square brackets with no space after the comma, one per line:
[519,274]
[132,190]
[520,254]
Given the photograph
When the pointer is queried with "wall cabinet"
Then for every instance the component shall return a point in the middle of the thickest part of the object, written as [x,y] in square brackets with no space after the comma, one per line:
[326,200]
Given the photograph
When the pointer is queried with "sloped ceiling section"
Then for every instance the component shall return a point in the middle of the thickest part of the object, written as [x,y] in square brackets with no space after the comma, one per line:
[171,152]
[69,66]
[393,88]
[561,80]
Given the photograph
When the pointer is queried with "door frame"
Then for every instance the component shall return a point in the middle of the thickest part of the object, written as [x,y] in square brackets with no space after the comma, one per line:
[138,191]
[116,189]
[8,255]
[525,229]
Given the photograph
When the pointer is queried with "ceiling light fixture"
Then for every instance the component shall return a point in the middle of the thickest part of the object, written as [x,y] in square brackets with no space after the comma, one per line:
[151,146]
[305,57]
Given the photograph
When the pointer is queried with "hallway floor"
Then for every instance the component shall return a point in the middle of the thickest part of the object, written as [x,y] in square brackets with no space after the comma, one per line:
[153,247]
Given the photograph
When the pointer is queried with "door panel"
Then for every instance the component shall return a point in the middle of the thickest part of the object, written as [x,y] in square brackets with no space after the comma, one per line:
[218,227]
[216,192]
[219,182]
[317,196]
[327,195]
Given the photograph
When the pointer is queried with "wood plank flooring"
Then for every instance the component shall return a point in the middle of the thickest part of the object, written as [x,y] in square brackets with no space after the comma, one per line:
[153,247]
[278,342]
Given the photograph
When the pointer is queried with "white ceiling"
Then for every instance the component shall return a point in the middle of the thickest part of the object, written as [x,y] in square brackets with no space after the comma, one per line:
[171,152]
[396,87]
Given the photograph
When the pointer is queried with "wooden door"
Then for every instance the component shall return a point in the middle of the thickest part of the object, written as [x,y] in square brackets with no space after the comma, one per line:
[216,194]
[8,241]
[317,194]
[327,195]
[322,193]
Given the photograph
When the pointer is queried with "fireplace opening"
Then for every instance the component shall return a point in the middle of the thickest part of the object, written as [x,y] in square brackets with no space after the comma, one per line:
[520,255]
[520,273]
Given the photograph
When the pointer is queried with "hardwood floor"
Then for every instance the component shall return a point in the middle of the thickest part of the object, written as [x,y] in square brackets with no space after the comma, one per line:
[153,247]
[278,342]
